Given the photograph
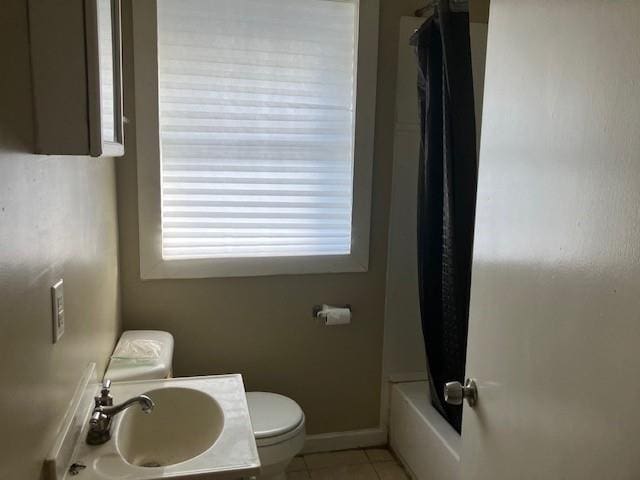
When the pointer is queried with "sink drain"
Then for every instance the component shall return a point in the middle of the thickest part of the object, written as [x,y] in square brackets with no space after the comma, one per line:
[151,464]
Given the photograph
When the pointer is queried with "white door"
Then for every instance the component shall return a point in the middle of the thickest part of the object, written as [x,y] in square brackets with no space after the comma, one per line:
[554,338]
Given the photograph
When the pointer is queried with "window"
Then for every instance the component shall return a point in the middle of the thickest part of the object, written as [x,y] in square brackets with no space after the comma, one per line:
[254,124]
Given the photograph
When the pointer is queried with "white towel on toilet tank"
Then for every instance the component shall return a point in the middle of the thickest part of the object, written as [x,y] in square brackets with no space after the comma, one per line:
[138,350]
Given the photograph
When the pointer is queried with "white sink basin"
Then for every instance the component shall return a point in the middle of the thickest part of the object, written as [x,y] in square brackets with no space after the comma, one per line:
[199,429]
[183,424]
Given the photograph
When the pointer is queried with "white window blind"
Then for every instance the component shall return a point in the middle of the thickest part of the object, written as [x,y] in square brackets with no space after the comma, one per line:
[257,104]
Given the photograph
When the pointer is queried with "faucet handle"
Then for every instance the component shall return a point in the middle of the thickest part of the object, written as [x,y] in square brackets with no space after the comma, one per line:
[106,385]
[105,399]
[96,417]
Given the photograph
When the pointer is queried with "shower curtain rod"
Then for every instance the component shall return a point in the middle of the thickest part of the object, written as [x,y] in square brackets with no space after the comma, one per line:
[454,6]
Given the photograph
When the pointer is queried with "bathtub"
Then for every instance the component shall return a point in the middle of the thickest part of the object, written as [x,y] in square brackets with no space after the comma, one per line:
[425,443]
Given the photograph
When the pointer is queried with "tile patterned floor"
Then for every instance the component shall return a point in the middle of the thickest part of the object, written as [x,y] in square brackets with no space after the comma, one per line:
[368,464]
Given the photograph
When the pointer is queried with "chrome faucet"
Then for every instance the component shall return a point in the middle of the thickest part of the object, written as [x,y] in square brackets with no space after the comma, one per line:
[105,410]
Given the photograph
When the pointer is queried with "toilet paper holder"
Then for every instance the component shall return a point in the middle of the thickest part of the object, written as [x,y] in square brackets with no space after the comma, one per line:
[318,308]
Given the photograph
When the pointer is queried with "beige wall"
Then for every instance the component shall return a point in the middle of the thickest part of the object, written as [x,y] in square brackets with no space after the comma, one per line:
[479,11]
[57,219]
[262,327]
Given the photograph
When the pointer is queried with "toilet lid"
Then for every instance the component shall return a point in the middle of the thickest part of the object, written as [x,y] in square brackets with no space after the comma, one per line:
[272,414]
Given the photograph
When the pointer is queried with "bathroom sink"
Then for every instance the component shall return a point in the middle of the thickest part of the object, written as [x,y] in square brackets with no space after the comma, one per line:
[199,429]
[184,424]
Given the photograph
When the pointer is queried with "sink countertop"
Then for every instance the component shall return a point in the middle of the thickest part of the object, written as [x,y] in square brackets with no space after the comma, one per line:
[233,455]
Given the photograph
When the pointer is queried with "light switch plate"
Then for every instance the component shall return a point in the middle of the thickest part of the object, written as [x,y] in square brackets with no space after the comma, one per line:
[57,303]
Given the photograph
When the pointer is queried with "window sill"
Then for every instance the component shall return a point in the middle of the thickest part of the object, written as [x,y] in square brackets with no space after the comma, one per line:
[251,267]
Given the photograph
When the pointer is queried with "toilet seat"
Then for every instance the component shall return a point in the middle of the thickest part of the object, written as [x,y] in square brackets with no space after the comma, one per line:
[298,431]
[275,418]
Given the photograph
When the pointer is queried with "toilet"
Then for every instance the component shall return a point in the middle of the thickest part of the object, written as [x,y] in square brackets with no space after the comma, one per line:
[278,421]
[278,425]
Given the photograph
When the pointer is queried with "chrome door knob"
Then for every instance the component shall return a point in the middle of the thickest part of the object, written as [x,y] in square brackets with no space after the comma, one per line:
[455,392]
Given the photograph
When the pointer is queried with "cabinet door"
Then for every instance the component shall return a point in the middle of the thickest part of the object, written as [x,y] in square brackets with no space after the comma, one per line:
[76,65]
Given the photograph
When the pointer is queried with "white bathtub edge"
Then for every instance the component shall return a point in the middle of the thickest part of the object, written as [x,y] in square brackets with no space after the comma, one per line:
[427,445]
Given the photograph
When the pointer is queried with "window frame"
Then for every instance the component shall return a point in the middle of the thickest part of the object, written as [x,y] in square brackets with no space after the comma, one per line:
[152,265]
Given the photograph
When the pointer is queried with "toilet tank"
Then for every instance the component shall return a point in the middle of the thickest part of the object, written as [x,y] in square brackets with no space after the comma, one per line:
[132,368]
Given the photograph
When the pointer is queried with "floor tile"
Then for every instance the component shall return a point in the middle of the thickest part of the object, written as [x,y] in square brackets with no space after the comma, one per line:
[296,465]
[335,459]
[299,475]
[390,471]
[363,471]
[379,455]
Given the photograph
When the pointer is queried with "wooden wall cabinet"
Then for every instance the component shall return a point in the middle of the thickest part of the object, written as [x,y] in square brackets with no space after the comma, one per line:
[76,63]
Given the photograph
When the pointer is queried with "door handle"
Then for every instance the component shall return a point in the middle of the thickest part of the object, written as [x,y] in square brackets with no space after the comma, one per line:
[455,392]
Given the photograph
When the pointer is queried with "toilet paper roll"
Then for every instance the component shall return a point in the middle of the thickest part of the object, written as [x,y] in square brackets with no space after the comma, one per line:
[335,315]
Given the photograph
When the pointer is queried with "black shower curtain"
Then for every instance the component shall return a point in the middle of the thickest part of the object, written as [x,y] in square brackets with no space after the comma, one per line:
[446,198]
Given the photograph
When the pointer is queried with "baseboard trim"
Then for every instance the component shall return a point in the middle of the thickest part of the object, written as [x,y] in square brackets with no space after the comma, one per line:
[328,442]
